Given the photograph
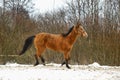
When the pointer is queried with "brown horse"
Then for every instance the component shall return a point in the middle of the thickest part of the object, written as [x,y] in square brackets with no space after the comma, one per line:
[58,42]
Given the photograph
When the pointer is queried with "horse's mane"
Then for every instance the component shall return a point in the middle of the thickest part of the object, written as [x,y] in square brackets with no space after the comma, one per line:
[66,34]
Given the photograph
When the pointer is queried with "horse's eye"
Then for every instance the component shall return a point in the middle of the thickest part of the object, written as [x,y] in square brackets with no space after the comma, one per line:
[80,29]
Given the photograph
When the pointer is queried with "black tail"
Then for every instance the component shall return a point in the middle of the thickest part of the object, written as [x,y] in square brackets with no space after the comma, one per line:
[27,44]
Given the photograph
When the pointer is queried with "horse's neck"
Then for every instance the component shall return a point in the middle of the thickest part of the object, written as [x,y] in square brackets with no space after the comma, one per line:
[72,37]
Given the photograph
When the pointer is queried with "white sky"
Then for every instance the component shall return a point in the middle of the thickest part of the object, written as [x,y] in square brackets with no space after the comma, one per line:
[45,5]
[48,5]
[0,3]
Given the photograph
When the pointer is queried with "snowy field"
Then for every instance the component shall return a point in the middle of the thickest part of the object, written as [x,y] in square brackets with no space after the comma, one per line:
[52,71]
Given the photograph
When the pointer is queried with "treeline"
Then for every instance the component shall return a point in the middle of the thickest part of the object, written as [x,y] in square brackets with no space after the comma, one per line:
[101,19]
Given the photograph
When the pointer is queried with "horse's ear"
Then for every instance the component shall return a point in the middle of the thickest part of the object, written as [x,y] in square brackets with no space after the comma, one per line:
[78,24]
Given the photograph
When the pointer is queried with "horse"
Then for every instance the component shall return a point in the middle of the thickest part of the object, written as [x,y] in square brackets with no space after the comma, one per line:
[58,42]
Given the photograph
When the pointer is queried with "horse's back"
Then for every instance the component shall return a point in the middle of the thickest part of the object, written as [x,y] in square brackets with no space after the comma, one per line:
[44,38]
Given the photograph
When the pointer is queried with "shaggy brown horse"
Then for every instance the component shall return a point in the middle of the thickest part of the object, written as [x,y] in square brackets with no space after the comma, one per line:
[58,42]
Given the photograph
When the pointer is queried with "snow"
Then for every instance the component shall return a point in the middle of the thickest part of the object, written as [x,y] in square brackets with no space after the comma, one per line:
[52,71]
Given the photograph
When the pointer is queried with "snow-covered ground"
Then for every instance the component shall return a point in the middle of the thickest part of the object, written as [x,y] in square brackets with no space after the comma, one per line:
[52,71]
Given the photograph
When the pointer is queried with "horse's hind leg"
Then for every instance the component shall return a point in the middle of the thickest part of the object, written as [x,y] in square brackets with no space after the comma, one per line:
[43,60]
[38,54]
[36,58]
[37,61]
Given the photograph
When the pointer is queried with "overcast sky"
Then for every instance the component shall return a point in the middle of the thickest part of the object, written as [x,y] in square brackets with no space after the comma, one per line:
[46,5]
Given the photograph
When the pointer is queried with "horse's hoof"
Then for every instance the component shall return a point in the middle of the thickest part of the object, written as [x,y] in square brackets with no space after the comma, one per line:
[63,63]
[36,64]
[44,64]
[69,67]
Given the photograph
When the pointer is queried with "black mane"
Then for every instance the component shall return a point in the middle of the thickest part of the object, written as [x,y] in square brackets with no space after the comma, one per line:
[66,34]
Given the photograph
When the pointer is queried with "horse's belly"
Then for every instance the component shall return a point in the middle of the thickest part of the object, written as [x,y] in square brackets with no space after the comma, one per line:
[58,47]
[53,46]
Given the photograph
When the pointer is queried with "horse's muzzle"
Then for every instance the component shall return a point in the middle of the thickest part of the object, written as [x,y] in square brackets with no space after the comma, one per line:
[85,35]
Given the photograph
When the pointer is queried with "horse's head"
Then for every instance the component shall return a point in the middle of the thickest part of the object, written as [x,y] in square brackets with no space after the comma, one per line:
[80,30]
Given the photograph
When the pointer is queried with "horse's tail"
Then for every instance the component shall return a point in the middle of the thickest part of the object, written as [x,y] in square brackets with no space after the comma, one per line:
[27,44]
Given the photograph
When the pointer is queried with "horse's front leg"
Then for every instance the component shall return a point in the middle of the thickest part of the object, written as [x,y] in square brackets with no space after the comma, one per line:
[66,61]
[67,58]
[63,63]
